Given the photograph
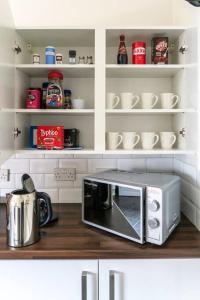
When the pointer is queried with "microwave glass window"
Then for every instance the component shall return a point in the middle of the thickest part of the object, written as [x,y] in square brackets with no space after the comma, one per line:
[127,200]
[115,208]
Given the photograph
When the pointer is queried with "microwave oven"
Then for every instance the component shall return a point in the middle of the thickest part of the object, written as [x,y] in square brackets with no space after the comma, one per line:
[142,207]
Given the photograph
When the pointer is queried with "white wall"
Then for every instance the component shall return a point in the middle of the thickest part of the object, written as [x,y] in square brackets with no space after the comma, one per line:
[184,13]
[91,12]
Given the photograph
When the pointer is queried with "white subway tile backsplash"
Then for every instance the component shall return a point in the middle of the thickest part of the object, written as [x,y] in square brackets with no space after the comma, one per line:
[191,192]
[5,191]
[98,165]
[70,195]
[159,164]
[178,167]
[43,165]
[188,209]
[38,180]
[8,184]
[16,165]
[53,193]
[131,165]
[79,180]
[190,173]
[50,182]
[79,164]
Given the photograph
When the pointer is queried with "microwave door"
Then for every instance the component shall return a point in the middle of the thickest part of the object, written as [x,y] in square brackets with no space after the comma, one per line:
[129,202]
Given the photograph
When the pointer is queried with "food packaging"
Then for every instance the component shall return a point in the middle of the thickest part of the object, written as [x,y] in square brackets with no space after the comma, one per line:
[159,50]
[50,137]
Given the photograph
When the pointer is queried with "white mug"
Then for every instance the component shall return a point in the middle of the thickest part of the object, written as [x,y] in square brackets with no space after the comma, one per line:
[112,100]
[114,139]
[149,100]
[78,103]
[130,140]
[169,100]
[167,140]
[128,100]
[149,140]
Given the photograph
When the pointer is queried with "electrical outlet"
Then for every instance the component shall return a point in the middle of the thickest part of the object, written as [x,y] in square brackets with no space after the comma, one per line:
[4,175]
[65,174]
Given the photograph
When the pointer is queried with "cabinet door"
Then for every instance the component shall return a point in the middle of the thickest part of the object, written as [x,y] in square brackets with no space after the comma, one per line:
[7,35]
[48,279]
[176,279]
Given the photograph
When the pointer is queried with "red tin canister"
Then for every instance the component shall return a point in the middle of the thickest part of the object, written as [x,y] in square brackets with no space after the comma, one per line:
[139,53]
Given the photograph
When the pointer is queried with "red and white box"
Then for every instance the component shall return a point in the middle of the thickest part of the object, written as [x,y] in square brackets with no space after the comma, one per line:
[50,137]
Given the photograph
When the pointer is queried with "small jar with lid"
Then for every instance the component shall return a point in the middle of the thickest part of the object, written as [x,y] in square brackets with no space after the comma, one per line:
[72,56]
[55,95]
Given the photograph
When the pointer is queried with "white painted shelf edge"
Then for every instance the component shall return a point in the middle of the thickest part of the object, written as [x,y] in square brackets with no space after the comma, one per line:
[150,66]
[148,111]
[50,66]
[111,152]
[51,111]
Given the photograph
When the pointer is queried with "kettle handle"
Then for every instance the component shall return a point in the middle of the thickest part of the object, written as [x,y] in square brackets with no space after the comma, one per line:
[45,197]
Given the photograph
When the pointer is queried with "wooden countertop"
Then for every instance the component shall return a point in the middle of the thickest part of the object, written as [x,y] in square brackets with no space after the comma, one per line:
[69,238]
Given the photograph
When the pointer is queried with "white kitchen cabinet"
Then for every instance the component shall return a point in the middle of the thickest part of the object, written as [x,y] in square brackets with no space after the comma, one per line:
[174,279]
[92,82]
[49,279]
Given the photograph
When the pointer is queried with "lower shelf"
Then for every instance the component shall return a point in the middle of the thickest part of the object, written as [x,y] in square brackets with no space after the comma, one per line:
[111,152]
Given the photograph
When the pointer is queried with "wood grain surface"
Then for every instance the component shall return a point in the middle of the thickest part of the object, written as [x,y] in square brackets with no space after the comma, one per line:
[69,238]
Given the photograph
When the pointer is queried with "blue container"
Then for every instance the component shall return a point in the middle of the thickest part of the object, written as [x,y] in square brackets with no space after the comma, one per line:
[33,137]
[50,54]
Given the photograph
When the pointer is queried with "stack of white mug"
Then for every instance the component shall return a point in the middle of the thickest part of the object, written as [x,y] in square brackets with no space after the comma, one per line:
[148,100]
[149,140]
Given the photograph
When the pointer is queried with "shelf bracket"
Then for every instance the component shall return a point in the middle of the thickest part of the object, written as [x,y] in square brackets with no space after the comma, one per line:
[183,132]
[16,132]
[183,49]
[17,49]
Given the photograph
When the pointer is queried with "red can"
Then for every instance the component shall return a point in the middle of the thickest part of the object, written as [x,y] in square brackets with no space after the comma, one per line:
[139,53]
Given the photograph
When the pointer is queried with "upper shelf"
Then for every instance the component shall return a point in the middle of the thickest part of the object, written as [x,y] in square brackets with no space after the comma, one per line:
[124,71]
[70,71]
[62,37]
[145,33]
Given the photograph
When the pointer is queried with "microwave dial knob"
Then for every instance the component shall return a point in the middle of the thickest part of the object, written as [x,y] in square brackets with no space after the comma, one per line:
[153,223]
[154,205]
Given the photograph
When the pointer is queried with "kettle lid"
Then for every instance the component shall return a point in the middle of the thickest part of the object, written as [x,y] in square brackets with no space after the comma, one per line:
[27,183]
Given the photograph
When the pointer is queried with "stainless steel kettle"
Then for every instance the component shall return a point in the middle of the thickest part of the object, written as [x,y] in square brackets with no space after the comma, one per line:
[24,215]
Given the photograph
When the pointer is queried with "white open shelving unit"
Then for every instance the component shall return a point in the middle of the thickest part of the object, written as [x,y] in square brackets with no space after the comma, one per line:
[93,82]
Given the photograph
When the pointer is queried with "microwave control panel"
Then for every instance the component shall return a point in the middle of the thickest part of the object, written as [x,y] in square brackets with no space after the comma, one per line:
[154,215]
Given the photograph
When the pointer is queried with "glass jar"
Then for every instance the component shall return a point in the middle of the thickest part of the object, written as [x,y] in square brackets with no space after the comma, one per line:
[55,95]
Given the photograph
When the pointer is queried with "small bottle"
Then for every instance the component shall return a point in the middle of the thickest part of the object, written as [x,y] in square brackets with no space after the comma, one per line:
[72,56]
[67,99]
[122,57]
[81,60]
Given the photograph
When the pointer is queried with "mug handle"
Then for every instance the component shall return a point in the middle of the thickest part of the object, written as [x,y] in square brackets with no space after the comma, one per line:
[156,140]
[138,139]
[120,140]
[174,140]
[155,101]
[116,99]
[176,98]
[136,101]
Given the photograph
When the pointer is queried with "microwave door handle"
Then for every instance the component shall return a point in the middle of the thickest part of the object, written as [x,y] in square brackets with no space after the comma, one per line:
[115,285]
